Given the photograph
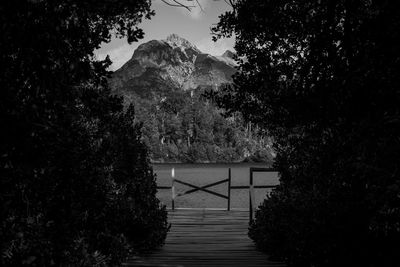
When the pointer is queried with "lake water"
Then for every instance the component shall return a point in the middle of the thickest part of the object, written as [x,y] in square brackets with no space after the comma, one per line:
[203,174]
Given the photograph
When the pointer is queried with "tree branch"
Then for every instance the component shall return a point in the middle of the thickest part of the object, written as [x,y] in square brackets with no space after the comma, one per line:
[177,4]
[198,3]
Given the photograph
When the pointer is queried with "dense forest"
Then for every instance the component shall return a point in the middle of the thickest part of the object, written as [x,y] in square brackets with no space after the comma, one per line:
[186,126]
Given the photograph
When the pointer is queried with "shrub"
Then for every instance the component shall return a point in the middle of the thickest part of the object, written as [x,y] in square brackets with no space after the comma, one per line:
[76,187]
[321,78]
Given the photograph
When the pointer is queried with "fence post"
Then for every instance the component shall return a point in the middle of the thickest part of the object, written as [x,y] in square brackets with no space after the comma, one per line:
[173,187]
[251,194]
[229,189]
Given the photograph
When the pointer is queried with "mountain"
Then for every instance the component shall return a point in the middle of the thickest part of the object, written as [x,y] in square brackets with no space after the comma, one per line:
[165,80]
[159,66]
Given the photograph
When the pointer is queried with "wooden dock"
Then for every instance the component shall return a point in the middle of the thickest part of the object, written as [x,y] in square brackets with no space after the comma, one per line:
[206,238]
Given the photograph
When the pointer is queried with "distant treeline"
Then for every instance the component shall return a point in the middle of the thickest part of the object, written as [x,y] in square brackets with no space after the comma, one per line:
[185,126]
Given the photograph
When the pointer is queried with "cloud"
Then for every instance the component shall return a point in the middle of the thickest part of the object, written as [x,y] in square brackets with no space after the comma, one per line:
[206,45]
[118,55]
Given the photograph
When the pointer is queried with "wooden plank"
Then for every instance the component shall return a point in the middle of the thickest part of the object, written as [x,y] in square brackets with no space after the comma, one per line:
[229,189]
[251,195]
[261,169]
[206,238]
[163,187]
[255,186]
[173,188]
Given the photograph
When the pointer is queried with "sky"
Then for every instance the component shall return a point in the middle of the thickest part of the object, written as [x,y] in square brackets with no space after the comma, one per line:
[192,25]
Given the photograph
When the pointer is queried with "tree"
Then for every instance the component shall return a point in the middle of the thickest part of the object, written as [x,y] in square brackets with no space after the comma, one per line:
[76,187]
[322,78]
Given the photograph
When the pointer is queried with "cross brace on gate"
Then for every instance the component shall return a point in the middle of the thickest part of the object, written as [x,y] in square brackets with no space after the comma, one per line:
[201,188]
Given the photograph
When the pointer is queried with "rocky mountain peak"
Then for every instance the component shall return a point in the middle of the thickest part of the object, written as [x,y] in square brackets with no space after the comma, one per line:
[175,40]
[161,66]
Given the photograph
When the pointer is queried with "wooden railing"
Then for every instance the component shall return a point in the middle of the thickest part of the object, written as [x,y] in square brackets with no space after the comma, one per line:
[252,202]
[206,189]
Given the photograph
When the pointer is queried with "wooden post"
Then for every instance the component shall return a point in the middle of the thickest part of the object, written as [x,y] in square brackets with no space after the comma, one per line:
[173,187]
[251,195]
[229,189]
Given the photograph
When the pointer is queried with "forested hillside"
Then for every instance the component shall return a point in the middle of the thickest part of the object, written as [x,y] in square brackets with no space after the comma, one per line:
[166,80]
[187,127]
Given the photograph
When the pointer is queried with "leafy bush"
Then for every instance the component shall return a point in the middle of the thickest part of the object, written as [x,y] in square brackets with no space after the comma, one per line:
[76,188]
[322,78]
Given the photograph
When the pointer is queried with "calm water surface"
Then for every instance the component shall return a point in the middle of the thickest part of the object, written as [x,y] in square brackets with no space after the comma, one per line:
[203,174]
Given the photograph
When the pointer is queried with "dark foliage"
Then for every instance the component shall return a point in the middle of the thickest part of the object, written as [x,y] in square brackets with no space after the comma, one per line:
[323,78]
[75,183]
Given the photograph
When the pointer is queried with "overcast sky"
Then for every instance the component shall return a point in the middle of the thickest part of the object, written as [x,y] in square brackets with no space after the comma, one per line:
[193,26]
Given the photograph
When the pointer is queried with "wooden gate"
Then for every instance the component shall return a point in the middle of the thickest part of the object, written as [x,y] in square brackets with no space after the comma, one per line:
[206,188]
[202,188]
